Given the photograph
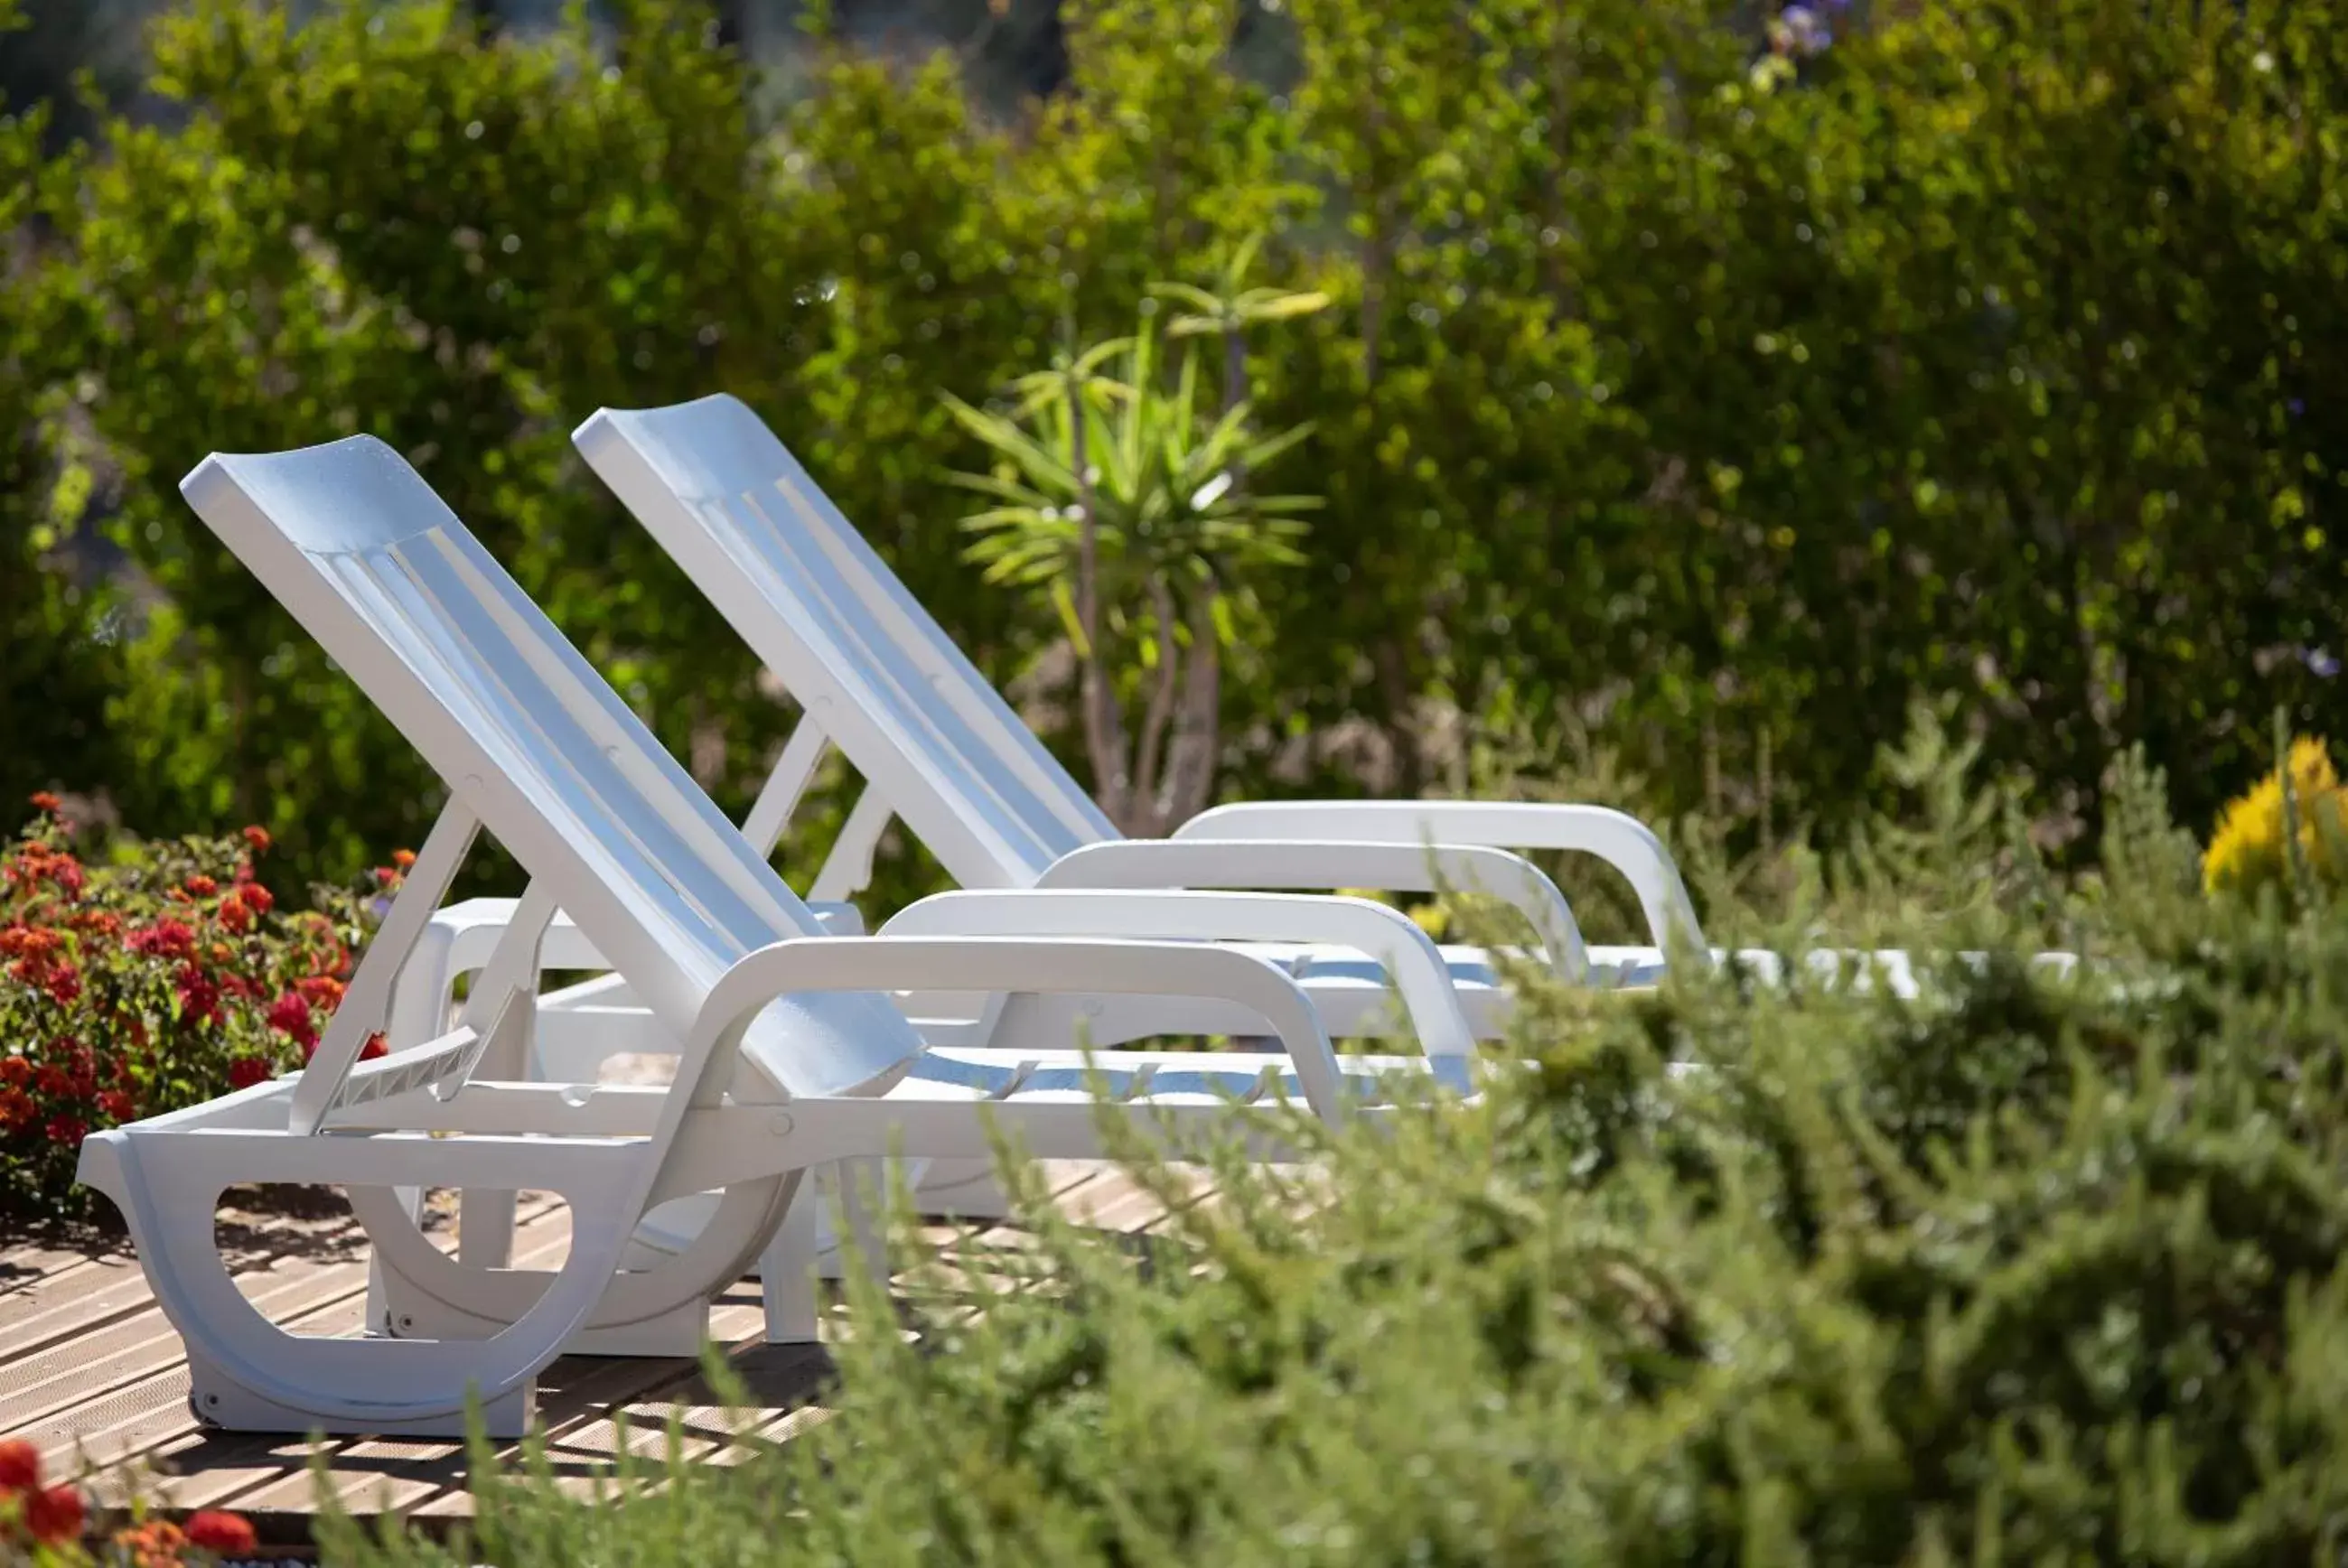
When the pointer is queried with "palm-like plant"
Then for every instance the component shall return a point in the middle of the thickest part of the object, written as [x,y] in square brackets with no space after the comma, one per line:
[1229,308]
[1122,503]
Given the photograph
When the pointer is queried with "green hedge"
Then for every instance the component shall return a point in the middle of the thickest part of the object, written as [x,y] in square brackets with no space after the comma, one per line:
[1681,401]
[2025,1271]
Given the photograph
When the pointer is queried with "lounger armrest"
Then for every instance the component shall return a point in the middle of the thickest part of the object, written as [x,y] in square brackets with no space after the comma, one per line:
[1295,866]
[1059,966]
[1621,841]
[1384,934]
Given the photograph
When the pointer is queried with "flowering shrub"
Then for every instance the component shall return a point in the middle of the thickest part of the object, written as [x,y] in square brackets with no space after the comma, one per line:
[2251,850]
[49,1525]
[156,976]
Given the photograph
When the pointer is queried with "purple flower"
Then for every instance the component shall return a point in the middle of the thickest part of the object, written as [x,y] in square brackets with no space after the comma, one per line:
[1800,32]
[2321,665]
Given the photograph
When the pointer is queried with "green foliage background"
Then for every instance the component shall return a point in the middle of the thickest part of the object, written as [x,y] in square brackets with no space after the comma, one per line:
[1703,419]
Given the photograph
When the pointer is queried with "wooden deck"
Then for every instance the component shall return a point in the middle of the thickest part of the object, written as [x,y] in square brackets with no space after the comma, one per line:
[92,1373]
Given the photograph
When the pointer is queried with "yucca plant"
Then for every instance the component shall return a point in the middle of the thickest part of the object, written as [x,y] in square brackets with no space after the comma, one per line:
[1129,509]
[1229,309]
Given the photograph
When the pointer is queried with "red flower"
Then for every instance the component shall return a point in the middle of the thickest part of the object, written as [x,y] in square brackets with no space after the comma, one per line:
[17,1111]
[68,1130]
[320,990]
[54,1082]
[166,939]
[54,1515]
[375,1046]
[257,898]
[96,922]
[15,1069]
[387,877]
[244,1071]
[233,914]
[66,872]
[257,839]
[222,1535]
[201,886]
[199,997]
[63,982]
[20,1466]
[289,1015]
[116,1106]
[47,804]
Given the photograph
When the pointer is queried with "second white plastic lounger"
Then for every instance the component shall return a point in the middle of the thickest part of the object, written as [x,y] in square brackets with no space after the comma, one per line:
[788,1058]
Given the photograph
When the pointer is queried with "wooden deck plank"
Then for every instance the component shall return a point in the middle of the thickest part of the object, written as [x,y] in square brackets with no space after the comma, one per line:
[32,1268]
[89,1368]
[127,1404]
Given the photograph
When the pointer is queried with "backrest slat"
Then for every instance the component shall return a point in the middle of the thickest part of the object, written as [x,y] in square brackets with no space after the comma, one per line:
[522,749]
[906,622]
[731,505]
[807,581]
[688,870]
[362,552]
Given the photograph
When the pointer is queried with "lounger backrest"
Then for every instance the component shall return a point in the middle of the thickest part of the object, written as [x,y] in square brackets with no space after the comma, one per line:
[803,589]
[365,554]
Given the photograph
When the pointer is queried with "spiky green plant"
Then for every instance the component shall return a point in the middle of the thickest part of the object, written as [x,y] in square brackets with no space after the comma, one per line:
[1127,507]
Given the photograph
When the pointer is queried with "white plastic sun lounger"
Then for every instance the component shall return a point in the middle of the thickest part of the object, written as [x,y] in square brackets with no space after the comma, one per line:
[788,1061]
[877,677]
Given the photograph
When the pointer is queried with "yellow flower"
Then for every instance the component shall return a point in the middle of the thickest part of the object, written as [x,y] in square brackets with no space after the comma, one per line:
[2248,852]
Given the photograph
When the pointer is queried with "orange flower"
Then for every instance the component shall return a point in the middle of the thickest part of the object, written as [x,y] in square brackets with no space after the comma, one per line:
[402,859]
[320,990]
[154,1544]
[201,886]
[47,804]
[223,1535]
[257,839]
[235,914]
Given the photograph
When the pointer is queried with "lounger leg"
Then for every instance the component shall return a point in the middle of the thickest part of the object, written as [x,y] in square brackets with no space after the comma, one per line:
[484,1229]
[504,1005]
[786,1272]
[218,1400]
[378,1300]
